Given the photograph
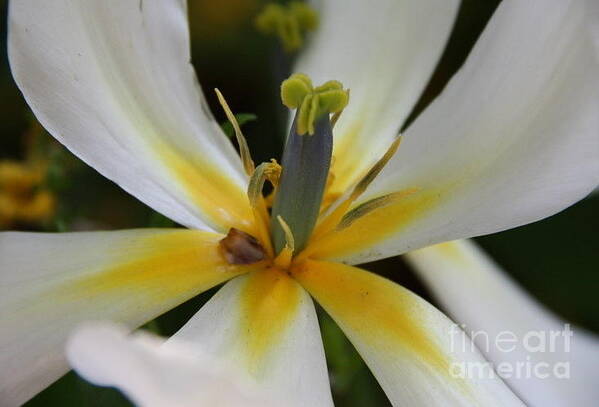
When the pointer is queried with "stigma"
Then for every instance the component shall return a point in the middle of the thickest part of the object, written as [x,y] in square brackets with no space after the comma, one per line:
[312,103]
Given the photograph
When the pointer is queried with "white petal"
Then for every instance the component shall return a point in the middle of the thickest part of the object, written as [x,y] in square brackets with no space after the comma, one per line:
[511,140]
[414,351]
[151,374]
[112,80]
[51,282]
[384,53]
[265,324]
[477,293]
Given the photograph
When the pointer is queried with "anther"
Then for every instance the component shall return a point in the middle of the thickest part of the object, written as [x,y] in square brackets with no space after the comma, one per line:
[270,171]
[332,221]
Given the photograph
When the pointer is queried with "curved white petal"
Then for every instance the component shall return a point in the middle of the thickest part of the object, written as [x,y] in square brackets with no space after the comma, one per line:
[51,282]
[511,140]
[477,293]
[112,80]
[265,324]
[384,52]
[152,374]
[414,351]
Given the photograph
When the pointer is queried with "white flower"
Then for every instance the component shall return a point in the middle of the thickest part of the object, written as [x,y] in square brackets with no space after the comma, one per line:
[512,139]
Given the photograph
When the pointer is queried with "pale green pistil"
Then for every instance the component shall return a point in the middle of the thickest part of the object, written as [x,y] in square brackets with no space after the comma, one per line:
[306,158]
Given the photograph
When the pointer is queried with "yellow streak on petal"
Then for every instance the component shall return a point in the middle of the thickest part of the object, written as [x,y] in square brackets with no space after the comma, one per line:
[155,274]
[176,264]
[348,166]
[269,303]
[373,227]
[225,203]
[457,255]
[451,251]
[372,310]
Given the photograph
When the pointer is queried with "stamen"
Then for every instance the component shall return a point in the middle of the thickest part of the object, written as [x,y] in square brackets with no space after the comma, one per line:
[244,150]
[273,172]
[312,103]
[288,23]
[370,206]
[241,118]
[332,220]
[265,171]
[289,240]
[376,169]
[283,259]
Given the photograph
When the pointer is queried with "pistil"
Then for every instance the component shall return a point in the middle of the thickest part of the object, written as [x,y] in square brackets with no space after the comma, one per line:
[306,158]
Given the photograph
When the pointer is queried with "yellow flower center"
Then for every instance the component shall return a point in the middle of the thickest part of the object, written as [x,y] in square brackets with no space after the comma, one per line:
[298,206]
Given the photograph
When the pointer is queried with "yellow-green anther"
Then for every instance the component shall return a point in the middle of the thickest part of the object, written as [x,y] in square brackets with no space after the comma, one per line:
[289,23]
[297,92]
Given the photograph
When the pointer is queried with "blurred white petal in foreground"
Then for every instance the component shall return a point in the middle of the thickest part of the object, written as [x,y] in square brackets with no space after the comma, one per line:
[152,373]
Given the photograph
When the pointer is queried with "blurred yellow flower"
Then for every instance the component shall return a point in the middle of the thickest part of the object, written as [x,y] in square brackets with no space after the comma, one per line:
[23,197]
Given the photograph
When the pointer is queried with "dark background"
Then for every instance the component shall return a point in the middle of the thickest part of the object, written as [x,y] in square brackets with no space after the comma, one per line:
[556,259]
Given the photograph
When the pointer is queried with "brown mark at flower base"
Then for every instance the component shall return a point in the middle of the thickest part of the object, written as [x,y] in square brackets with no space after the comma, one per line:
[239,247]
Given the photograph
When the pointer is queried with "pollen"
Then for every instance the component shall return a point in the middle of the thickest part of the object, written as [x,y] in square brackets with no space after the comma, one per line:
[290,23]
[270,171]
[297,92]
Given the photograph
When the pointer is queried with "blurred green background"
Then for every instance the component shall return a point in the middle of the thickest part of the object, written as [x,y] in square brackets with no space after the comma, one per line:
[556,260]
